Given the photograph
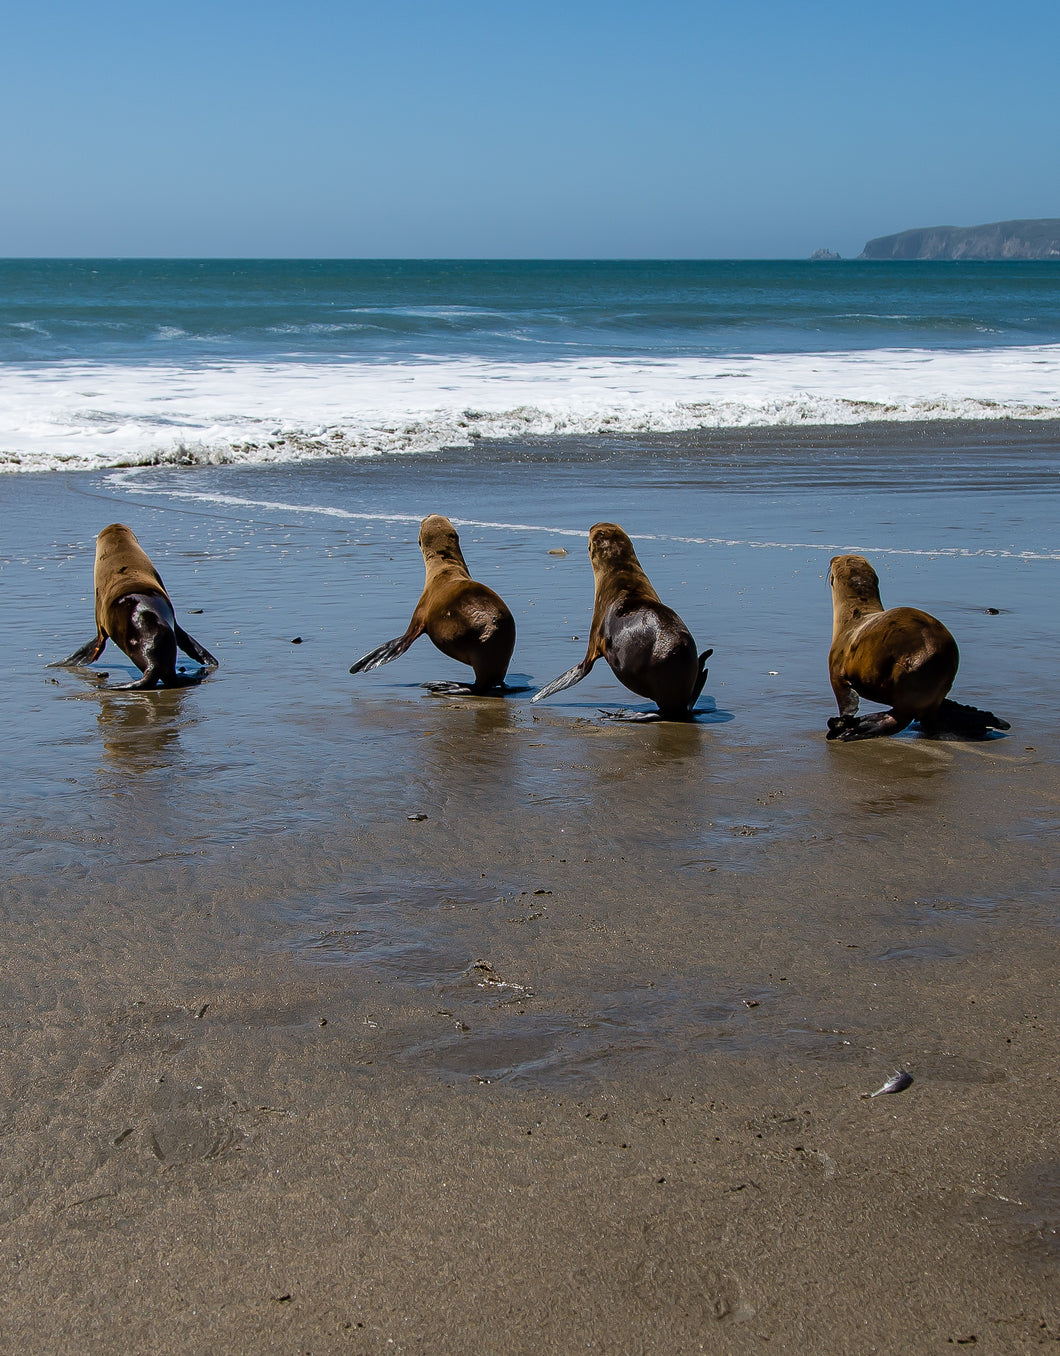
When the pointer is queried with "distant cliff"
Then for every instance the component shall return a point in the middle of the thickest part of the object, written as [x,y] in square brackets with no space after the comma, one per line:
[999,240]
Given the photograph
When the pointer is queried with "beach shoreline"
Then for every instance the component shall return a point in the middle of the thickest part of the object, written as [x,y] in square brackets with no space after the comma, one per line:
[345,1018]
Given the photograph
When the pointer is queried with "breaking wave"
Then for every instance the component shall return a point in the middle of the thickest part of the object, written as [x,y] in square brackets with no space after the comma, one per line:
[84,416]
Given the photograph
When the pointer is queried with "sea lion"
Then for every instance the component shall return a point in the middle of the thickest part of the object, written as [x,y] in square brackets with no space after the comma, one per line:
[133,609]
[902,657]
[648,647]
[464,619]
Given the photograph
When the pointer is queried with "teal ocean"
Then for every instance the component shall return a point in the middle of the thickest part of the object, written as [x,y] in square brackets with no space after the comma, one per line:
[319,310]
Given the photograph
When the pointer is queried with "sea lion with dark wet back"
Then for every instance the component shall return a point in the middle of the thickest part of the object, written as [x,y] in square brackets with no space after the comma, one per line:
[648,647]
[134,610]
[464,619]
[901,657]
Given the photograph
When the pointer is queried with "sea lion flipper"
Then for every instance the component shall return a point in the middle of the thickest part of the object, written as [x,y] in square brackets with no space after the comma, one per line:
[565,680]
[701,679]
[848,728]
[87,654]
[968,722]
[391,650]
[191,647]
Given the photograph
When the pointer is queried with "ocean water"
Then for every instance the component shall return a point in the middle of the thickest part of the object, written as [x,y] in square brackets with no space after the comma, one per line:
[111,363]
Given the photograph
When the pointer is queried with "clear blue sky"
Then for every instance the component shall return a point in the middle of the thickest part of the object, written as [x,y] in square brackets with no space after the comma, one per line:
[459,128]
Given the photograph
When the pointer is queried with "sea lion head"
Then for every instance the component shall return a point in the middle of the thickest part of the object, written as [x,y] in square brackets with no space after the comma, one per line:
[116,532]
[610,547]
[439,542]
[853,580]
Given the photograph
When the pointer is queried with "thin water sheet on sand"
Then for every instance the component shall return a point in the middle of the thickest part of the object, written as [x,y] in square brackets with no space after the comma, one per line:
[344,1017]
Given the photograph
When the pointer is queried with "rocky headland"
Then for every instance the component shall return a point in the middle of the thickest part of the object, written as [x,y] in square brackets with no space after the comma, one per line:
[1038,239]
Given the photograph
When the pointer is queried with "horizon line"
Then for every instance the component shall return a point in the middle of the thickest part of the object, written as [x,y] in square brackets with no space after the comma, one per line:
[490,259]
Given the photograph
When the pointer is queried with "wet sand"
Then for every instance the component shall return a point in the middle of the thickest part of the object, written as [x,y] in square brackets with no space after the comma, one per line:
[577,1061]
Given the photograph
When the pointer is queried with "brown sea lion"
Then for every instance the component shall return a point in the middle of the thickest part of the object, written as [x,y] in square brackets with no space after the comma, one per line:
[648,647]
[465,620]
[133,610]
[901,657]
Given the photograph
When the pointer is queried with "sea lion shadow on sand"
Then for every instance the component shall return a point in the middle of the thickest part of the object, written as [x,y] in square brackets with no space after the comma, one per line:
[901,658]
[707,714]
[97,680]
[134,610]
[514,685]
[523,684]
[700,715]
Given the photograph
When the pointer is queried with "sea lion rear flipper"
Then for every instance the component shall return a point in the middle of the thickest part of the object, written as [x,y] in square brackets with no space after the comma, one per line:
[565,680]
[969,722]
[87,654]
[391,650]
[191,647]
[701,679]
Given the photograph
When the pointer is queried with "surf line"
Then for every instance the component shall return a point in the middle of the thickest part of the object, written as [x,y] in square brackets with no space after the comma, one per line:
[119,480]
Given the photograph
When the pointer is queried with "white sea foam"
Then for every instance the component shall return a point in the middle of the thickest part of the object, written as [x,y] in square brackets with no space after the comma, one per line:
[79,416]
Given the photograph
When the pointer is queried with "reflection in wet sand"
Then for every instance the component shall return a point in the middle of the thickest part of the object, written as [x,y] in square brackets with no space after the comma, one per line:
[141,731]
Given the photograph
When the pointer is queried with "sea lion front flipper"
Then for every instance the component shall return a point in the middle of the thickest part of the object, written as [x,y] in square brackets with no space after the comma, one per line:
[191,647]
[87,654]
[847,728]
[391,650]
[565,680]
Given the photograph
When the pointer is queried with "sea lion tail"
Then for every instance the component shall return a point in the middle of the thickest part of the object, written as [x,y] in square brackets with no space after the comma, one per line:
[967,721]
[385,653]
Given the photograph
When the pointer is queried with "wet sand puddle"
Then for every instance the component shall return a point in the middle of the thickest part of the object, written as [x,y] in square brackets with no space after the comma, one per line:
[1041,905]
[384,931]
[921,951]
[733,844]
[1027,1216]
[495,1027]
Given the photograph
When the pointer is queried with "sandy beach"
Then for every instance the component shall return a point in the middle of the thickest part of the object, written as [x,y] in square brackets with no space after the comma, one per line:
[340,1017]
